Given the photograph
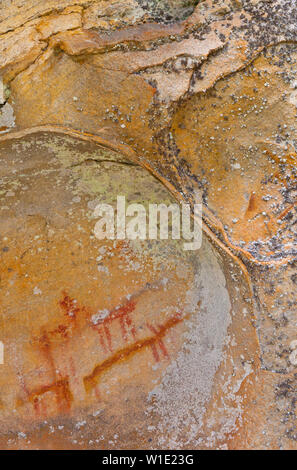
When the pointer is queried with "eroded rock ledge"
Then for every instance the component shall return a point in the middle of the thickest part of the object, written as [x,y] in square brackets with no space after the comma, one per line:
[203,97]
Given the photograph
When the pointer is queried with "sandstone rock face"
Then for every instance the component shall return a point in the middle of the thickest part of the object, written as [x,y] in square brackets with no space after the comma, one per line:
[140,344]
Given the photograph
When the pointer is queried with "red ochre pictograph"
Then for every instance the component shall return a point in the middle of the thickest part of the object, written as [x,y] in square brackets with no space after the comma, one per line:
[62,379]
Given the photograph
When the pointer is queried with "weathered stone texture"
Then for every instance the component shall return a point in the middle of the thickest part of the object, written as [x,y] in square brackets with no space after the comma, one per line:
[99,96]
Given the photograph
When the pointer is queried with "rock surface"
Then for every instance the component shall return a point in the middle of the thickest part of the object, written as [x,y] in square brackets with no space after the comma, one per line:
[104,340]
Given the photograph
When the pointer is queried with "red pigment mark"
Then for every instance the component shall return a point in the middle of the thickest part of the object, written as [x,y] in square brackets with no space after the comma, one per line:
[108,337]
[155,352]
[91,381]
[70,306]
[125,321]
[73,370]
[131,326]
[102,333]
[71,311]
[60,386]
[123,328]
[45,346]
[121,313]
[39,406]
[36,406]
[62,393]
[62,330]
[160,343]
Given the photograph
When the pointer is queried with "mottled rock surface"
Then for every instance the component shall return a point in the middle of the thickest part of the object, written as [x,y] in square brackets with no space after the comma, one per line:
[141,345]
